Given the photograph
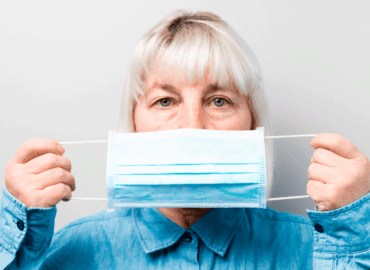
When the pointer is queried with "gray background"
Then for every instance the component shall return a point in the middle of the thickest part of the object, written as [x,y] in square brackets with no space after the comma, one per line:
[62,69]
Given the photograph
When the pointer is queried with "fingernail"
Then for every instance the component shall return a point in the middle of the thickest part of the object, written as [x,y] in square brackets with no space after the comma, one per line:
[60,149]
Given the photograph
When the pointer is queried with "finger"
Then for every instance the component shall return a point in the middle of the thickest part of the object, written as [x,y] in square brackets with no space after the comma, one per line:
[37,147]
[54,177]
[322,195]
[327,158]
[59,192]
[46,162]
[335,143]
[320,173]
[316,190]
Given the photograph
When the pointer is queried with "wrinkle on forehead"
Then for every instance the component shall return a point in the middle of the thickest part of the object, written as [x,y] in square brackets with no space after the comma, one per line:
[161,73]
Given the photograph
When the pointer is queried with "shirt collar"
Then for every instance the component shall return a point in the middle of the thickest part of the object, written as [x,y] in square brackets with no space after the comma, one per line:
[156,232]
[218,227]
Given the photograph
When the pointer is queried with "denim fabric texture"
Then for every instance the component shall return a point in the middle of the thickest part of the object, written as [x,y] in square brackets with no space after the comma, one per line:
[224,238]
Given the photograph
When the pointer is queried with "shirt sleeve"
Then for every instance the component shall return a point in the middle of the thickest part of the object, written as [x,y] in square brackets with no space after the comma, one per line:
[25,234]
[341,236]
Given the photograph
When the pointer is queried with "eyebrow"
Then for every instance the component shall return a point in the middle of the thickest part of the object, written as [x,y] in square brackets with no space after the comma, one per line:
[166,87]
[172,89]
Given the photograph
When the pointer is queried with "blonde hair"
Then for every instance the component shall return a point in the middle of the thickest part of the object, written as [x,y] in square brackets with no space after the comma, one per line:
[197,43]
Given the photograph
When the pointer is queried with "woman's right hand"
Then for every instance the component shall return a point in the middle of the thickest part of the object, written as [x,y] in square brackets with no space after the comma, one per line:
[38,175]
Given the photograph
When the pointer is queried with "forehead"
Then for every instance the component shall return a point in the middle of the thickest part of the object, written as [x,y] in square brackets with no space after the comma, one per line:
[165,74]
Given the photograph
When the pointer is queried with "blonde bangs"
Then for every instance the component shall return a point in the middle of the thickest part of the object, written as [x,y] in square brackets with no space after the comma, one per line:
[198,47]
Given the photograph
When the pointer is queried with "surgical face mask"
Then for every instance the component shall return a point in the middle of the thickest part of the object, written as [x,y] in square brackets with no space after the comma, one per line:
[196,168]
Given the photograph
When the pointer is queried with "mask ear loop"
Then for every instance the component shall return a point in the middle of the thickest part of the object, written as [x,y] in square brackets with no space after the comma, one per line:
[288,198]
[290,136]
[271,199]
[101,141]
[266,137]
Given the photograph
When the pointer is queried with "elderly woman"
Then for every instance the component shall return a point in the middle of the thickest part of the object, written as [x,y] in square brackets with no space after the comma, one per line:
[189,71]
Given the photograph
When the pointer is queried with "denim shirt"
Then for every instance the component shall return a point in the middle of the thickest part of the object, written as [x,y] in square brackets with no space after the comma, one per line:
[224,238]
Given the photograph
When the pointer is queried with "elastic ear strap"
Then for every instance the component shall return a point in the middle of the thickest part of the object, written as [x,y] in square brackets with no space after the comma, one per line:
[290,136]
[266,137]
[101,141]
[271,199]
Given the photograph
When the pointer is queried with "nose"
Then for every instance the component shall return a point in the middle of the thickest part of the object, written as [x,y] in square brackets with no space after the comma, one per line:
[193,116]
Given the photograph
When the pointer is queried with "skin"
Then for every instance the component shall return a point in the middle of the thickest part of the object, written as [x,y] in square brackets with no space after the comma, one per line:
[170,103]
[38,175]
[339,173]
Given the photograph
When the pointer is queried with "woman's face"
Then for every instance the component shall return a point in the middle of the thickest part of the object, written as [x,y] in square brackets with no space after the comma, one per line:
[170,103]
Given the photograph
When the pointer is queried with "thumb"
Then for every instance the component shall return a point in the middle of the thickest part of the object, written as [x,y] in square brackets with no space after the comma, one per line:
[37,147]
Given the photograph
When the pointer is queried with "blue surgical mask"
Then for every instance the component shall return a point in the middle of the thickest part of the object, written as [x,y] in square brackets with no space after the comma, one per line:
[197,168]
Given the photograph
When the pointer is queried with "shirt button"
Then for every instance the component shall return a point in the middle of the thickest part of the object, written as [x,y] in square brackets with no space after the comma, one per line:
[187,237]
[319,228]
[20,225]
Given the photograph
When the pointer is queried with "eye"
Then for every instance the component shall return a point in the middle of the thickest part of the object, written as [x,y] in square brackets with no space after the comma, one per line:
[219,102]
[164,102]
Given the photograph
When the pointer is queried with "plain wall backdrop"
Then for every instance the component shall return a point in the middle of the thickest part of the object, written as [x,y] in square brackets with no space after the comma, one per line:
[63,66]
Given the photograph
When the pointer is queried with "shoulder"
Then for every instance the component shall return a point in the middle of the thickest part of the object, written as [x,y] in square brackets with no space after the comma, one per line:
[101,217]
[103,222]
[289,226]
[278,228]
[89,236]
[277,217]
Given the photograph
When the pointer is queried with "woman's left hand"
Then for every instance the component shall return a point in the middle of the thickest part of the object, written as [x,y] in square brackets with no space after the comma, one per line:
[339,173]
